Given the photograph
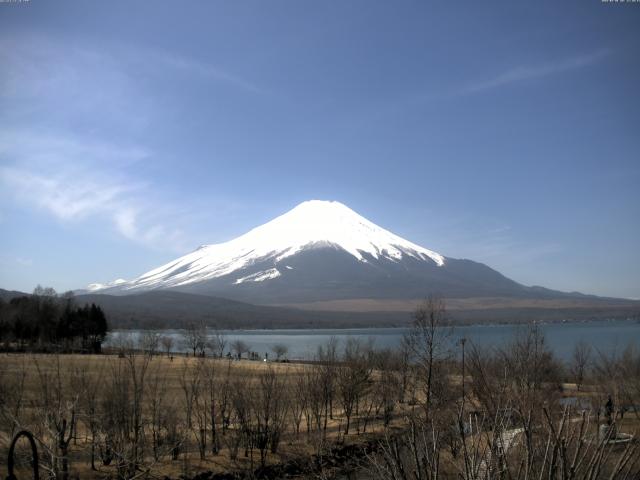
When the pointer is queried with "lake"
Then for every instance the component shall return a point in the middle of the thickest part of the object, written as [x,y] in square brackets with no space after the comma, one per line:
[605,336]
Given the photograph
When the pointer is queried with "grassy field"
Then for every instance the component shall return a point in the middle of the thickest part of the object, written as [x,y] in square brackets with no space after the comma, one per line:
[138,415]
[42,390]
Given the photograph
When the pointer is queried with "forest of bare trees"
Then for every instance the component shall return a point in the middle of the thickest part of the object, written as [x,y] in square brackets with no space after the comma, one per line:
[434,408]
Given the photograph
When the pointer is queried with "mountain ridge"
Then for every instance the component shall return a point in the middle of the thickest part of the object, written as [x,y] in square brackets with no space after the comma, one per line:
[324,251]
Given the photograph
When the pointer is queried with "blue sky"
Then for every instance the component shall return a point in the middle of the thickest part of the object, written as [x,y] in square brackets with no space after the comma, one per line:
[508,133]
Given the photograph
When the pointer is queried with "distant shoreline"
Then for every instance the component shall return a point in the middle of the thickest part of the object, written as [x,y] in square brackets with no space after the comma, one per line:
[391,326]
[606,336]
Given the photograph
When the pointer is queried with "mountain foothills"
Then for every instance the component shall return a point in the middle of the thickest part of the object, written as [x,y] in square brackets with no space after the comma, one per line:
[321,263]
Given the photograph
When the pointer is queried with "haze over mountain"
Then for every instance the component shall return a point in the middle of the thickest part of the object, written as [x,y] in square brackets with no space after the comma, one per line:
[322,251]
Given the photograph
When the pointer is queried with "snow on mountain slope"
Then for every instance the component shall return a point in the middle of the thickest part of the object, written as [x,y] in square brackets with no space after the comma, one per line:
[92,287]
[311,224]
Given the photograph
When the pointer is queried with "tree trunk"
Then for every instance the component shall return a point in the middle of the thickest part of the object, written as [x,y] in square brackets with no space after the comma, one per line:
[93,450]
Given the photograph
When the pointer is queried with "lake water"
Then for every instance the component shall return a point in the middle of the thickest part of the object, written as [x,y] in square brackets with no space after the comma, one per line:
[605,336]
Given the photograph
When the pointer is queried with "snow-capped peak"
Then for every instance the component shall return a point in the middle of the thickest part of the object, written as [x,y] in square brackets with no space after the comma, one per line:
[311,224]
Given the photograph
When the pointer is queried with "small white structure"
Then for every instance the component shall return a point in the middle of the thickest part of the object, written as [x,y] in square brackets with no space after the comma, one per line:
[614,437]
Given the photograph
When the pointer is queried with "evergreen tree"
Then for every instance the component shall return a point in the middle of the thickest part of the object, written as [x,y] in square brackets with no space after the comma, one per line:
[45,320]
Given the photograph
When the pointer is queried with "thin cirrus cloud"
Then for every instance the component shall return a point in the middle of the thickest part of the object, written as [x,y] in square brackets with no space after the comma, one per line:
[60,157]
[492,241]
[36,64]
[524,73]
[512,76]
[54,175]
[195,67]
[24,262]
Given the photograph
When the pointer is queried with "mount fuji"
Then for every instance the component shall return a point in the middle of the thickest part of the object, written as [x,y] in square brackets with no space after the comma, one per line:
[322,251]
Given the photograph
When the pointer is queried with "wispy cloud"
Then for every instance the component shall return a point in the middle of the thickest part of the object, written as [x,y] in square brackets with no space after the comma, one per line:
[74,180]
[503,250]
[195,67]
[12,261]
[24,262]
[492,241]
[529,72]
[33,64]
[74,120]
[397,107]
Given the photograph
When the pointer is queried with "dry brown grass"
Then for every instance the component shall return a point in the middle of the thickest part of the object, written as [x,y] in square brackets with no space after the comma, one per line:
[100,368]
[41,370]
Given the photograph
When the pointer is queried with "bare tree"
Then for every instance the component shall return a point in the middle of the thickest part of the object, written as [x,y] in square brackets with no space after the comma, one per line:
[149,342]
[280,350]
[580,362]
[214,389]
[217,344]
[630,366]
[12,394]
[123,421]
[353,378]
[515,381]
[522,432]
[239,347]
[327,361]
[270,407]
[162,421]
[201,407]
[58,415]
[403,361]
[242,431]
[316,410]
[156,403]
[567,451]
[190,379]
[617,375]
[489,379]
[224,397]
[167,343]
[428,342]
[194,338]
[299,399]
[123,343]
[89,384]
[386,384]
[533,373]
